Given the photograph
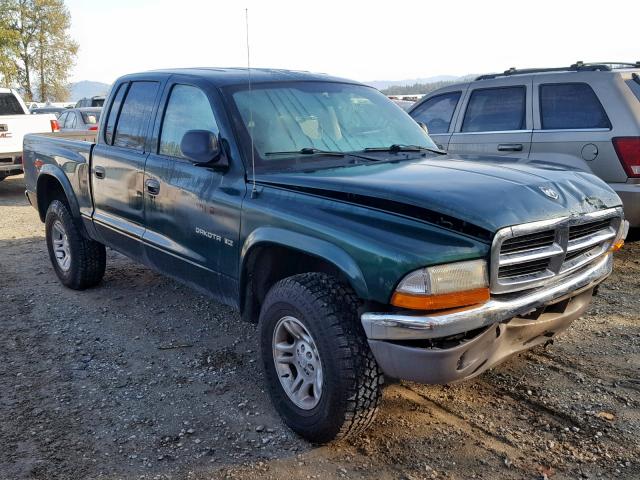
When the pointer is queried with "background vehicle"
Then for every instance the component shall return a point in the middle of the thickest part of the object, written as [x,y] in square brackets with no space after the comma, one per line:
[584,117]
[15,122]
[358,246]
[96,101]
[50,110]
[80,119]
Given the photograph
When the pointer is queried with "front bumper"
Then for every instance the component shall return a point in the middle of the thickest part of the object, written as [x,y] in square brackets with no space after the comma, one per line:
[629,193]
[505,330]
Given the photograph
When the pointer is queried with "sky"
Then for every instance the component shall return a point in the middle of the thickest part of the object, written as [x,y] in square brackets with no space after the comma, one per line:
[361,40]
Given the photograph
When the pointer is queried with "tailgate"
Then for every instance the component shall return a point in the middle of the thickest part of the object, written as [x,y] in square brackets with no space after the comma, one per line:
[14,127]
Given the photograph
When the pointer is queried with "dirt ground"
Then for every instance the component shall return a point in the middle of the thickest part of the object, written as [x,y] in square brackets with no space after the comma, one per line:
[141,378]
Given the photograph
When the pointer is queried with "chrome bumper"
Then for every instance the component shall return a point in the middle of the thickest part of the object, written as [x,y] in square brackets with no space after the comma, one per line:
[390,326]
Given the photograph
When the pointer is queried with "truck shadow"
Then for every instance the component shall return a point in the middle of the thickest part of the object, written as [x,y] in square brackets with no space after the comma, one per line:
[12,192]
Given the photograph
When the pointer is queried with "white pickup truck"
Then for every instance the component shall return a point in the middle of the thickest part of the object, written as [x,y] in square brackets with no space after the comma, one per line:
[15,123]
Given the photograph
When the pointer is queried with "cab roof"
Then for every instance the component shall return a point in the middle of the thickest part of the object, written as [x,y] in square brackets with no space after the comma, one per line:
[238,76]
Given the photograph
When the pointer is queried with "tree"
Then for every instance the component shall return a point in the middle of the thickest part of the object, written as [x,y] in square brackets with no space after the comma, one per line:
[36,46]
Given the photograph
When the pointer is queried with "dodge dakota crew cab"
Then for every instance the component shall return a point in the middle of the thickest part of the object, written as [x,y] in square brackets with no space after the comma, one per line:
[15,122]
[318,207]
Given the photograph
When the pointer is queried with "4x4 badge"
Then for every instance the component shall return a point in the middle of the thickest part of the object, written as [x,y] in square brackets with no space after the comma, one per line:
[550,192]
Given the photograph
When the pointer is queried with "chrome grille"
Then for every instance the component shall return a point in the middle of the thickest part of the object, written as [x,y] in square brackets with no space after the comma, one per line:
[528,255]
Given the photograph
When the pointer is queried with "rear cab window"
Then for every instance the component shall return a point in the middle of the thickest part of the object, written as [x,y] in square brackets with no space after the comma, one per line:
[128,127]
[495,110]
[436,113]
[9,105]
[571,106]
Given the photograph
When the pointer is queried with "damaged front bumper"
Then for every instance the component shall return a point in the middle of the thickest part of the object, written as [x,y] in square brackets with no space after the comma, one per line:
[408,346]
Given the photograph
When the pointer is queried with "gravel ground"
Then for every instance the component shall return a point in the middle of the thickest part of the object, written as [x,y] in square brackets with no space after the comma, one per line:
[141,378]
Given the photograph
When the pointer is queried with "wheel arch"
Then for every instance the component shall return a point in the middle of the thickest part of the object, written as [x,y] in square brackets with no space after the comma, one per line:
[52,185]
[259,268]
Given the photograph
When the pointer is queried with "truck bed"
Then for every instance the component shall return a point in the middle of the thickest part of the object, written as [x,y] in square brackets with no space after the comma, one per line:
[69,152]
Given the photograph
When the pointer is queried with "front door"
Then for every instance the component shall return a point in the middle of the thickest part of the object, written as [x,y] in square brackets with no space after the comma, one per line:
[192,212]
[118,167]
[497,119]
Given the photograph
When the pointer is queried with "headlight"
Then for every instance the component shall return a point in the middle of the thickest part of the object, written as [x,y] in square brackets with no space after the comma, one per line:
[444,286]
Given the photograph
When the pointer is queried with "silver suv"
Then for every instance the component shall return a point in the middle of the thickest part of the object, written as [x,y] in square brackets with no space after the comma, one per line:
[585,117]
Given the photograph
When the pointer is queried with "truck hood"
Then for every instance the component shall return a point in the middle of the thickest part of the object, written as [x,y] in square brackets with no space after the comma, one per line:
[475,197]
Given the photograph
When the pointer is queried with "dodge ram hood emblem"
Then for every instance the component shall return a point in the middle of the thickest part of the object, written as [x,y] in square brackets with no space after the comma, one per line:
[550,192]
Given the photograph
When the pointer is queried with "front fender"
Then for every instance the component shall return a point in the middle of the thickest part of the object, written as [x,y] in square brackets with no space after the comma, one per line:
[309,245]
[50,170]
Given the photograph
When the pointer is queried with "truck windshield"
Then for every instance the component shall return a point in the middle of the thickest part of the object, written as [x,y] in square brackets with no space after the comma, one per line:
[9,105]
[290,118]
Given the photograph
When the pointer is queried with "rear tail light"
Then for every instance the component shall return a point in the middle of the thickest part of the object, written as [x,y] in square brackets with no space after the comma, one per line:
[55,126]
[94,128]
[628,150]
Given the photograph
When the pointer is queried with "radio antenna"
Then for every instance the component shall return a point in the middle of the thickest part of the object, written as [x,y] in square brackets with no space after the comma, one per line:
[254,191]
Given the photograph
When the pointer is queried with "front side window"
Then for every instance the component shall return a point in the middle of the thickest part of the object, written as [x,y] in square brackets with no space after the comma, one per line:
[131,127]
[571,106]
[188,109]
[285,117]
[495,110]
[437,112]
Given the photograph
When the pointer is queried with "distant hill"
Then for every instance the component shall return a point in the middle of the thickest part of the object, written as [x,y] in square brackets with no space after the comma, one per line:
[383,84]
[87,88]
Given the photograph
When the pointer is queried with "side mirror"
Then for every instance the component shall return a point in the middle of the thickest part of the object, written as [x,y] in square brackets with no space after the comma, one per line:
[201,146]
[424,127]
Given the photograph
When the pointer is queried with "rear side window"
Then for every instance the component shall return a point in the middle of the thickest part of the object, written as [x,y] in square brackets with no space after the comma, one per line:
[571,106]
[495,109]
[131,126]
[634,85]
[9,105]
[90,118]
[113,114]
[436,113]
[188,109]
[70,121]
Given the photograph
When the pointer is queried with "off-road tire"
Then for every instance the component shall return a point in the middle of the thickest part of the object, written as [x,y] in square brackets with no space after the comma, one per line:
[88,257]
[352,380]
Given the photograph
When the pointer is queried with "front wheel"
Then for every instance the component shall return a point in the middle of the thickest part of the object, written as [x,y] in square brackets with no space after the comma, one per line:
[321,374]
[78,262]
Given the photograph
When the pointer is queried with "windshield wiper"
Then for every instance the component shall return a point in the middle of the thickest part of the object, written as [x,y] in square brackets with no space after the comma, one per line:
[317,151]
[309,151]
[396,148]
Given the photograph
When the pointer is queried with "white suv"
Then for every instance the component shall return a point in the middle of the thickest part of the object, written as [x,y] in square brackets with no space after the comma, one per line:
[584,117]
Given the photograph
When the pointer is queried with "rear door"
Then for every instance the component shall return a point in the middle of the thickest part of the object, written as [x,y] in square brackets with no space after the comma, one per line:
[572,128]
[496,119]
[117,168]
[192,211]
[439,112]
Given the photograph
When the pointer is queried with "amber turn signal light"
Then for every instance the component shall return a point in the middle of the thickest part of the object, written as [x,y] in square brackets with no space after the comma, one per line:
[617,245]
[440,301]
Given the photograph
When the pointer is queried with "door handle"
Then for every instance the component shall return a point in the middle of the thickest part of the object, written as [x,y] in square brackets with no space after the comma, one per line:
[153,186]
[99,172]
[510,147]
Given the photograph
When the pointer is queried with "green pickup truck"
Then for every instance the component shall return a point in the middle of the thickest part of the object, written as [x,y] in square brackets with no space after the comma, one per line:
[320,209]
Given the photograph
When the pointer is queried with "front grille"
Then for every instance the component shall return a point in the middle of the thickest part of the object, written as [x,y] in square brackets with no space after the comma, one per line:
[528,255]
[530,241]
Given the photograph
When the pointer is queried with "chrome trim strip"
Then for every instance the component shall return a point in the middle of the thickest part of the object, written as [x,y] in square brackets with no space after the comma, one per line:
[507,259]
[591,239]
[391,326]
[492,131]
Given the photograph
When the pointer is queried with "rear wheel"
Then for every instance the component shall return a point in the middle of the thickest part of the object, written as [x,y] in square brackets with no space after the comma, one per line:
[78,262]
[321,374]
